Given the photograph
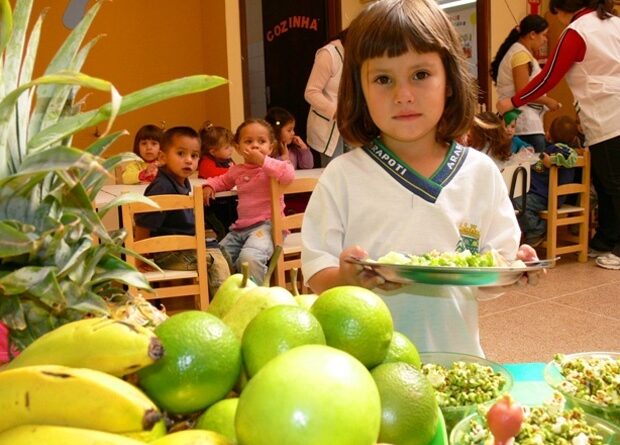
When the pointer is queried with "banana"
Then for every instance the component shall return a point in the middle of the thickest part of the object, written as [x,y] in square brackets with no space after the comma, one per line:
[77,397]
[61,435]
[107,345]
[193,437]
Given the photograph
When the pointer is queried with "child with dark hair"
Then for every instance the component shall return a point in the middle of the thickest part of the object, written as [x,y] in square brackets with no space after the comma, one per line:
[249,239]
[216,150]
[180,151]
[289,146]
[405,95]
[564,137]
[146,144]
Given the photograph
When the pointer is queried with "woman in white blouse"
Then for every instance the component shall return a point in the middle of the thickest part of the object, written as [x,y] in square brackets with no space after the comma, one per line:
[322,95]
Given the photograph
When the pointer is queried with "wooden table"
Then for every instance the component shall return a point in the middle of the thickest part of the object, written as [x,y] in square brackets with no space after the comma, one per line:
[111,191]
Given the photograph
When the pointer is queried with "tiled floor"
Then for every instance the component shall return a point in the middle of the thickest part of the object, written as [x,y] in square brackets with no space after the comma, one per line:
[574,308]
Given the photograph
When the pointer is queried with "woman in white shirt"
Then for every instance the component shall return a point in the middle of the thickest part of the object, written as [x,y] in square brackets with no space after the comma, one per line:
[322,95]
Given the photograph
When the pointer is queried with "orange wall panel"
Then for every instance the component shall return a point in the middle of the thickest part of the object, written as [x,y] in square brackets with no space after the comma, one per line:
[148,42]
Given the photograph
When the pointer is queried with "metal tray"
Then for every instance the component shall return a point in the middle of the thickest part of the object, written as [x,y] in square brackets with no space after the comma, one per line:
[452,276]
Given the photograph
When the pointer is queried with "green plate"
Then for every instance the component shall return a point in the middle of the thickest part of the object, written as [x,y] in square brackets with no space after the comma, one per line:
[441,436]
[451,276]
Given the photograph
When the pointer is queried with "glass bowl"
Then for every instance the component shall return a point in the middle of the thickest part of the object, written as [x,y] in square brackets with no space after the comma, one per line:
[453,414]
[555,378]
[608,431]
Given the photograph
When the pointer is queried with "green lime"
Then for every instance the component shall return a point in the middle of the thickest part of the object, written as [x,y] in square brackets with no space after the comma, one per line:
[403,350]
[201,363]
[220,417]
[408,406]
[276,330]
[357,321]
[310,395]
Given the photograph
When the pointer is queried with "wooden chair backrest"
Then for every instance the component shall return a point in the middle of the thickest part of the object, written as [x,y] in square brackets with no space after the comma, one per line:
[138,241]
[569,214]
[292,223]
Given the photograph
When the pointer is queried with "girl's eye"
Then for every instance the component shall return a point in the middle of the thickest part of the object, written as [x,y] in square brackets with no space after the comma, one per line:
[382,80]
[421,75]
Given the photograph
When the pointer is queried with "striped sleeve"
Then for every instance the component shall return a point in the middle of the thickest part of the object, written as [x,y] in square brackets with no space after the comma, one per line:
[571,48]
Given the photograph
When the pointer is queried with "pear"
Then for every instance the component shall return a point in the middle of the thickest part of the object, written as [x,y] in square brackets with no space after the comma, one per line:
[254,301]
[304,300]
[229,292]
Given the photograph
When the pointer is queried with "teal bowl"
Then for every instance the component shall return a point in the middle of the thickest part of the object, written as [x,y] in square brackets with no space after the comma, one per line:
[454,414]
[608,431]
[553,376]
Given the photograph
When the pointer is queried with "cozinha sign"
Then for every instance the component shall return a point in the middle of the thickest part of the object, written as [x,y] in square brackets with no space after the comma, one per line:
[294,21]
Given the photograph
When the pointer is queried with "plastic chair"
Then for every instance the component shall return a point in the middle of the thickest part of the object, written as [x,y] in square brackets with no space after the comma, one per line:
[171,283]
[559,240]
[291,241]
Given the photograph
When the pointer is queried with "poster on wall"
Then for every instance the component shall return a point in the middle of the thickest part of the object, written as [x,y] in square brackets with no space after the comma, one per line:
[464,20]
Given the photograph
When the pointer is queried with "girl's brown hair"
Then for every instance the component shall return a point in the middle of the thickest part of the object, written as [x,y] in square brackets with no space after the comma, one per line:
[147,132]
[252,120]
[488,132]
[212,136]
[278,117]
[392,28]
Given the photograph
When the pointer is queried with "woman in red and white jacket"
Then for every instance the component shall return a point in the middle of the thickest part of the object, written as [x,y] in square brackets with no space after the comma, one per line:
[588,56]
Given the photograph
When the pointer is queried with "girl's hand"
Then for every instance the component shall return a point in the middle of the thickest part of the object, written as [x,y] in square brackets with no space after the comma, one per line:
[553,104]
[300,143]
[357,275]
[254,157]
[527,253]
[208,194]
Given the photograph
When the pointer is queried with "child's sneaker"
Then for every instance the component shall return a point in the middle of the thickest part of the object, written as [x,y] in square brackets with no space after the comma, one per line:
[609,261]
[593,253]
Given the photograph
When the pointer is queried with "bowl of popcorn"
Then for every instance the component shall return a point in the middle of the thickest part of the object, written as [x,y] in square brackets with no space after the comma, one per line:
[462,382]
[549,423]
[589,380]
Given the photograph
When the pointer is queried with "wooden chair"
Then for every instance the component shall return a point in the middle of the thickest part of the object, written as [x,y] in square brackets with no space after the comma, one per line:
[291,242]
[171,283]
[559,240]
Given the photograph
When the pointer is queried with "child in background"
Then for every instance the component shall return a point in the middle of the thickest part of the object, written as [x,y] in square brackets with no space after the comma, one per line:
[215,159]
[405,94]
[250,236]
[489,135]
[180,152]
[563,135]
[289,146]
[510,126]
[146,144]
[215,152]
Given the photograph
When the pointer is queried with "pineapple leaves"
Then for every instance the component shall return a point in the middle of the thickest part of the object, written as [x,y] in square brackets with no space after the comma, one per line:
[130,102]
[6,23]
[12,241]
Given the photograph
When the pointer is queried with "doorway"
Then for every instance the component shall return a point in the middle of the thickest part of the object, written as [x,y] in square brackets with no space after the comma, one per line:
[279,40]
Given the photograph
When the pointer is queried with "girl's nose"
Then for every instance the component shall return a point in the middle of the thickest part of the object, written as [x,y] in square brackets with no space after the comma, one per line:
[404,95]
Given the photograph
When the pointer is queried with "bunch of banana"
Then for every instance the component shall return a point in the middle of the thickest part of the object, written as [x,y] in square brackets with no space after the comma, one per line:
[76,397]
[61,435]
[112,346]
[192,437]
